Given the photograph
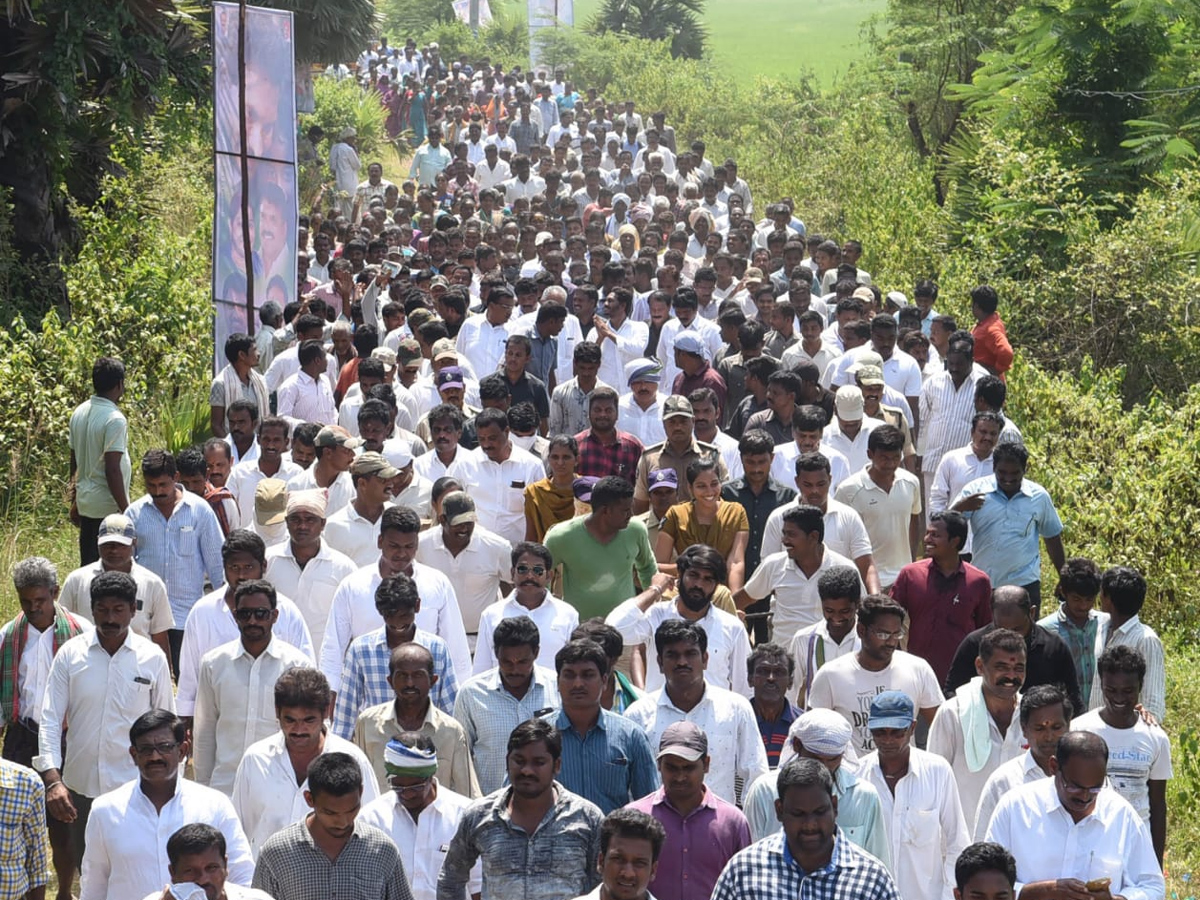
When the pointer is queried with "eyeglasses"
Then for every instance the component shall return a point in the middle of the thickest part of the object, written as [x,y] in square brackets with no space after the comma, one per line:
[409,790]
[259,615]
[889,635]
[150,749]
[1074,788]
[536,570]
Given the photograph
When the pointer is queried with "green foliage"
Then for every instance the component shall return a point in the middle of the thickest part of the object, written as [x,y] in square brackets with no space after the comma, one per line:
[400,19]
[342,104]
[329,32]
[503,41]
[678,22]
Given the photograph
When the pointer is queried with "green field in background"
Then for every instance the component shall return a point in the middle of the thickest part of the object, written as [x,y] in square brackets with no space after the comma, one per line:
[780,37]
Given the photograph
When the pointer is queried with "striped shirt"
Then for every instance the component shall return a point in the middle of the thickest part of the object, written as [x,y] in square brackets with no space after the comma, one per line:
[768,871]
[946,413]
[1137,634]
[611,765]
[365,677]
[293,867]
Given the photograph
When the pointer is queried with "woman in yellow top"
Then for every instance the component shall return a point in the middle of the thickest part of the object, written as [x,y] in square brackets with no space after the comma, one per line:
[705,519]
[552,500]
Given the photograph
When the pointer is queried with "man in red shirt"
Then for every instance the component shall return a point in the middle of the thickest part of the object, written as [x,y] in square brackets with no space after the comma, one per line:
[945,598]
[992,349]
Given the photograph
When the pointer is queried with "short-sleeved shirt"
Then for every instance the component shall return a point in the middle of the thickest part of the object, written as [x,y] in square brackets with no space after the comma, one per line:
[530,389]
[1136,756]
[661,456]
[98,427]
[886,515]
[1006,530]
[942,609]
[681,524]
[597,577]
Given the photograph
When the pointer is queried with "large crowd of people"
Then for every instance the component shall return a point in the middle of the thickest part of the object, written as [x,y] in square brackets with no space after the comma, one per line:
[584,530]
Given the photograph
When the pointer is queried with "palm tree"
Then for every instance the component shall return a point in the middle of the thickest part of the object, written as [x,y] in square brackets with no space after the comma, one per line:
[677,21]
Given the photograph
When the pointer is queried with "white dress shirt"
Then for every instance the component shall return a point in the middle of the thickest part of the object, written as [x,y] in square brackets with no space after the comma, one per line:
[153,614]
[265,793]
[845,532]
[99,696]
[422,844]
[644,424]
[487,177]
[498,488]
[1010,776]
[211,624]
[925,824]
[243,482]
[126,839]
[629,344]
[855,450]
[1113,842]
[235,706]
[735,747]
[482,343]
[303,398]
[33,671]
[555,620]
[795,602]
[708,332]
[475,573]
[946,739]
[811,647]
[355,536]
[783,466]
[313,585]
[728,642]
[353,614]
[338,494]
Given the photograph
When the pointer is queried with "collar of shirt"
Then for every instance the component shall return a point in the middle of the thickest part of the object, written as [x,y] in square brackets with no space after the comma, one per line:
[1129,626]
[562,723]
[837,859]
[273,648]
[1061,617]
[664,700]
[709,802]
[94,640]
[539,679]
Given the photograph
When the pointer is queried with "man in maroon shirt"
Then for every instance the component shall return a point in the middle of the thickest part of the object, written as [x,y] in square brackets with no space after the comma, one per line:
[695,372]
[946,598]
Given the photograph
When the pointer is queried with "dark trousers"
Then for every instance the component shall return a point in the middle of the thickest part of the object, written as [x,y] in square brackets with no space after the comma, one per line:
[89,531]
[758,621]
[175,639]
[1034,589]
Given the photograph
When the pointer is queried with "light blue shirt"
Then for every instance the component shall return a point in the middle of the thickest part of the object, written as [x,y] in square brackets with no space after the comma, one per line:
[427,162]
[1006,530]
[611,765]
[180,550]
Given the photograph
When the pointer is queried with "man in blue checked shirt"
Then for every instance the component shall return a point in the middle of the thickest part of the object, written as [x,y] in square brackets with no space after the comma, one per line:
[365,676]
[605,757]
[809,857]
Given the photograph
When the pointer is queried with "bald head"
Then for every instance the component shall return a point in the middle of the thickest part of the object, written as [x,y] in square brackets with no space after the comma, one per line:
[410,654]
[1081,745]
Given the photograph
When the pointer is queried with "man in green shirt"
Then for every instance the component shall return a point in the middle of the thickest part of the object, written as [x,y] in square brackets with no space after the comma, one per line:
[100,469]
[599,553]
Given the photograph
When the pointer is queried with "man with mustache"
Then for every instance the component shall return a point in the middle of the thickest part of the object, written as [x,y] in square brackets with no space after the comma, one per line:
[78,691]
[124,855]
[701,570]
[978,729]
[236,684]
[196,855]
[606,758]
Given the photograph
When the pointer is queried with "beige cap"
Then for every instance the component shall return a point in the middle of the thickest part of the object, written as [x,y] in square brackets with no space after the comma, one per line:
[849,403]
[270,501]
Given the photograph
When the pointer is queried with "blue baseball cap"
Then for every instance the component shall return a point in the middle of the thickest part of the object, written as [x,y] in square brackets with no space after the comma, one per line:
[891,709]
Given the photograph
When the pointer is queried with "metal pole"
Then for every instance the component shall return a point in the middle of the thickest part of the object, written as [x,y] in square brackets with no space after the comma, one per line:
[247,246]
[473,16]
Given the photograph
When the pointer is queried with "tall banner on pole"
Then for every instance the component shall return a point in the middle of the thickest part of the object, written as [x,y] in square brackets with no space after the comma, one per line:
[270,155]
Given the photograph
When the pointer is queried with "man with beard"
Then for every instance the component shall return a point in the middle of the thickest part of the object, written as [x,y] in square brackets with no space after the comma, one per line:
[701,570]
[124,856]
[232,710]
[593,737]
[604,449]
[976,730]
[420,814]
[1045,714]
[535,838]
[196,855]
[77,692]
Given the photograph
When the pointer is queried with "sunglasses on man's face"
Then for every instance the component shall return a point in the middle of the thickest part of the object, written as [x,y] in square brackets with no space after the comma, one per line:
[259,615]
[536,570]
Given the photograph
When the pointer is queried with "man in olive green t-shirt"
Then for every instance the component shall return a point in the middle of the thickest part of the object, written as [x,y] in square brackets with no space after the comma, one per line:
[600,552]
[100,468]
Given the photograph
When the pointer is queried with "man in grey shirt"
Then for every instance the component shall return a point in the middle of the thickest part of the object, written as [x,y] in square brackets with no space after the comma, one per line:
[535,838]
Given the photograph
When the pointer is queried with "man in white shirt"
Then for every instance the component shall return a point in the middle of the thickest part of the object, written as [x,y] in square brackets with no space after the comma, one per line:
[925,824]
[639,411]
[900,371]
[848,684]
[498,472]
[947,410]
[117,543]
[418,813]
[305,566]
[793,574]
[840,591]
[211,622]
[976,729]
[701,570]
[687,318]
[845,532]
[727,718]
[99,683]
[234,689]
[889,500]
[1045,715]
[851,427]
[481,339]
[621,339]
[268,790]
[128,828]
[476,560]
[532,566]
[270,463]
[352,613]
[354,529]
[808,429]
[958,468]
[492,171]
[196,856]
[1071,829]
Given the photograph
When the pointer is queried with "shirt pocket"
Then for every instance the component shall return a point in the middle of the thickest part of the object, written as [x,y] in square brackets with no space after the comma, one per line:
[187,541]
[12,844]
[131,690]
[922,828]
